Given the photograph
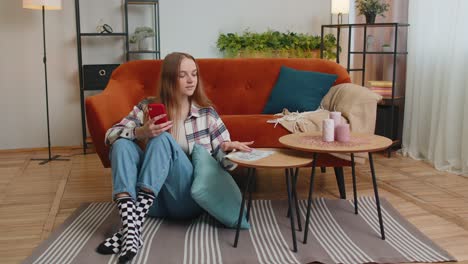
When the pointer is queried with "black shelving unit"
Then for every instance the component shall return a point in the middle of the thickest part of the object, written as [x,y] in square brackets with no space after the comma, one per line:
[155,5]
[389,110]
[106,70]
[102,34]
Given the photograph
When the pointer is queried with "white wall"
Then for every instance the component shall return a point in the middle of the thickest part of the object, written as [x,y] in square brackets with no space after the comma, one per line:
[186,25]
[194,26]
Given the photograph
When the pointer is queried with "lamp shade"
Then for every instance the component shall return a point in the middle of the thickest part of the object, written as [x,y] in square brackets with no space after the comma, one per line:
[48,4]
[340,6]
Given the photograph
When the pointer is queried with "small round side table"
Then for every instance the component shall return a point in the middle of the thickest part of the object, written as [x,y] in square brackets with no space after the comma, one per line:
[286,159]
[312,142]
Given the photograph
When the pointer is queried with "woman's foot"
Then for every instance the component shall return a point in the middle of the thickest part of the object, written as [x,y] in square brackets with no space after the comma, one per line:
[133,216]
[127,210]
[113,244]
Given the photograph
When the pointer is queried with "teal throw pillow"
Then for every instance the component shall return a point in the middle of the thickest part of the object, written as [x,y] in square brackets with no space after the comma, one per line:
[215,190]
[298,90]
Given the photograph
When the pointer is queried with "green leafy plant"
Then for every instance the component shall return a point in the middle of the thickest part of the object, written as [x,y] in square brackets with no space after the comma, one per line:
[329,46]
[371,8]
[275,44]
[141,33]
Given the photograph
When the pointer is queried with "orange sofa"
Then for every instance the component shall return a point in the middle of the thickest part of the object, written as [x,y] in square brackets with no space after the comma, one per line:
[239,88]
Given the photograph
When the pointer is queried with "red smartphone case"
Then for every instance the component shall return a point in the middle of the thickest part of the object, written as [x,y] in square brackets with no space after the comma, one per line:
[155,110]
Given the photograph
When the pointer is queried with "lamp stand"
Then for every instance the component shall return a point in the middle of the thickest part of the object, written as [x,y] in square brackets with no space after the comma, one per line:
[340,18]
[44,60]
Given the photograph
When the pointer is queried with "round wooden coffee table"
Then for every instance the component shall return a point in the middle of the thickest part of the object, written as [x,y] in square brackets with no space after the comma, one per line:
[286,159]
[312,142]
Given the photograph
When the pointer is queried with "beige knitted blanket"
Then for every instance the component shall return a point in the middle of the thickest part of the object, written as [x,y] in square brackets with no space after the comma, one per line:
[358,107]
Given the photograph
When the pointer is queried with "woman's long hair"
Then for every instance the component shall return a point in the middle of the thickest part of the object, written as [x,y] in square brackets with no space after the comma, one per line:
[169,87]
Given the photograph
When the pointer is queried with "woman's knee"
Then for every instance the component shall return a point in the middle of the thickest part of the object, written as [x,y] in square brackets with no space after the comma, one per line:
[124,147]
[123,143]
[165,139]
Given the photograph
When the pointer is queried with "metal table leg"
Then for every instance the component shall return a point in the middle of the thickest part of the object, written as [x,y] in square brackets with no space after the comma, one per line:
[298,216]
[250,173]
[289,208]
[376,193]
[251,186]
[309,200]
[293,228]
[353,172]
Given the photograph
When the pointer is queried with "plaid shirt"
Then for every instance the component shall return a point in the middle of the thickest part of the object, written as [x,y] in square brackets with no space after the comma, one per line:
[203,126]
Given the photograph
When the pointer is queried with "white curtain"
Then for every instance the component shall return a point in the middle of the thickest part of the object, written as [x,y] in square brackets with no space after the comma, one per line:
[436,109]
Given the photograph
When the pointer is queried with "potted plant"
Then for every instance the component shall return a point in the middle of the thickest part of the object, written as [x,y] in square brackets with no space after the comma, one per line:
[371,8]
[275,44]
[230,44]
[133,40]
[141,36]
[386,48]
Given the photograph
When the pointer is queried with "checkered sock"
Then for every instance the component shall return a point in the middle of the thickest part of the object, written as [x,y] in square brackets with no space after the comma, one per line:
[113,244]
[129,247]
[143,204]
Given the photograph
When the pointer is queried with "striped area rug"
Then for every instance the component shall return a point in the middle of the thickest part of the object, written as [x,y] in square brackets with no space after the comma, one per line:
[336,235]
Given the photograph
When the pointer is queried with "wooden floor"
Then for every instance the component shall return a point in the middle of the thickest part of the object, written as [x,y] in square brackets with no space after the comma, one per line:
[34,199]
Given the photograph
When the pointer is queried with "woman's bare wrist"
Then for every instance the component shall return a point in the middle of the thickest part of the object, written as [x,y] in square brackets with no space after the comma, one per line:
[139,134]
[224,146]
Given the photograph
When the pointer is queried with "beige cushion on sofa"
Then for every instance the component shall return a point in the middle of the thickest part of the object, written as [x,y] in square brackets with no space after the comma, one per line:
[356,103]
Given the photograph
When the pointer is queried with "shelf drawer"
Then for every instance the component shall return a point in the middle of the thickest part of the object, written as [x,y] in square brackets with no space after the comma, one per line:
[384,125]
[96,76]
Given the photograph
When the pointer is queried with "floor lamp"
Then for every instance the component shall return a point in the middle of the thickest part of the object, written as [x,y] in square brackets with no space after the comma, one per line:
[339,7]
[43,5]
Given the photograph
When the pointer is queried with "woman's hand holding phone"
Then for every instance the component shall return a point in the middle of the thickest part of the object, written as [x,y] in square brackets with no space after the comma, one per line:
[150,129]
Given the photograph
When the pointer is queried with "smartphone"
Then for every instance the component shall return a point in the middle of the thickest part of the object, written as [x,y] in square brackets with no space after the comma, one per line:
[155,110]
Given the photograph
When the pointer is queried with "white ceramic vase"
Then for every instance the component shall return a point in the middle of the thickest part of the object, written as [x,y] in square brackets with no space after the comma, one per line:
[133,46]
[144,44]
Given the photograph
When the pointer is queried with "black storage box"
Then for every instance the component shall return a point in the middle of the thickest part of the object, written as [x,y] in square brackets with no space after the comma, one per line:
[96,77]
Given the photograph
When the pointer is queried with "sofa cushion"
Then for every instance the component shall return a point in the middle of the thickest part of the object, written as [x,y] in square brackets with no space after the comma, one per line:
[298,90]
[254,128]
[215,190]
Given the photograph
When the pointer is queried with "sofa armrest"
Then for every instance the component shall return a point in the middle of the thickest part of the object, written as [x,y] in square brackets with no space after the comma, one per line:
[356,103]
[108,108]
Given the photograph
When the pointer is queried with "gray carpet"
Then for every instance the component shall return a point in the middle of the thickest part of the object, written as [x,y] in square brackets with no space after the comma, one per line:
[336,235]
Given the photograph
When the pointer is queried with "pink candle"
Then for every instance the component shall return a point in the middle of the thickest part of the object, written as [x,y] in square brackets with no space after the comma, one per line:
[328,130]
[336,116]
[342,133]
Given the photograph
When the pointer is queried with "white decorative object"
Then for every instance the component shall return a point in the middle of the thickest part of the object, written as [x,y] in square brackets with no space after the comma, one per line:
[336,116]
[328,130]
[340,7]
[143,36]
[144,44]
[133,46]
[47,4]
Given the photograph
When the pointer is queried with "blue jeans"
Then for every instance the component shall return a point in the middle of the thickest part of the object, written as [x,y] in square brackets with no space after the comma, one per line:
[163,168]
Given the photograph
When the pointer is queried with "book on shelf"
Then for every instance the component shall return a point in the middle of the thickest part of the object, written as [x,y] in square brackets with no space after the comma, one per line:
[383,88]
[383,91]
[387,84]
